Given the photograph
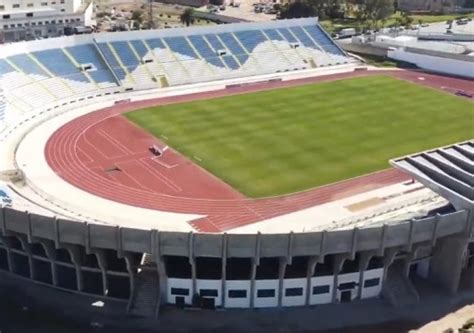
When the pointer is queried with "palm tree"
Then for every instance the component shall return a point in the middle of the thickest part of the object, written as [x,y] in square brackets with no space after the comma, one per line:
[187,17]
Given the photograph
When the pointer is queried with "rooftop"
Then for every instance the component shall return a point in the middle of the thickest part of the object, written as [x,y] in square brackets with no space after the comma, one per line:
[448,171]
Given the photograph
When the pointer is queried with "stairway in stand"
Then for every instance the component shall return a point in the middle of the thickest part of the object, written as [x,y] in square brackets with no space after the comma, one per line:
[146,300]
[398,289]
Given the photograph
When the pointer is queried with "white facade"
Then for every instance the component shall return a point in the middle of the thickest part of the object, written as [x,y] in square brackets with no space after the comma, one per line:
[266,293]
[295,291]
[321,289]
[372,283]
[347,283]
[31,19]
[435,64]
[179,288]
[237,294]
[210,289]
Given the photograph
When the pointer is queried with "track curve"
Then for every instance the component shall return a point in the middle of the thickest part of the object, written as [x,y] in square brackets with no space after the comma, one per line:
[67,154]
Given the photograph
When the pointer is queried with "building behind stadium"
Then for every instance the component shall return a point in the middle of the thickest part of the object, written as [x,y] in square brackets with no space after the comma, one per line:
[33,19]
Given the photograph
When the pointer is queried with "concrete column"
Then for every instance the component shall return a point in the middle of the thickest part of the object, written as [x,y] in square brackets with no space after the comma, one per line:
[281,277]
[50,254]
[160,266]
[364,260]
[131,275]
[9,254]
[27,248]
[76,260]
[446,263]
[255,263]
[192,262]
[338,263]
[388,259]
[309,274]
[162,278]
[224,266]
[253,274]
[101,260]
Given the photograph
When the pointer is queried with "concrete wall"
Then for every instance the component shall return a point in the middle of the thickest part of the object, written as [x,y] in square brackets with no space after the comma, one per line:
[260,245]
[448,234]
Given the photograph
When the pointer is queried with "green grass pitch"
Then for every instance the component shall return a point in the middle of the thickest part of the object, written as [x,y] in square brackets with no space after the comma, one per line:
[286,140]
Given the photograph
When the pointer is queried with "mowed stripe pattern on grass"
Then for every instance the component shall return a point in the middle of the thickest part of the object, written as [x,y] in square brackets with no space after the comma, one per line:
[286,140]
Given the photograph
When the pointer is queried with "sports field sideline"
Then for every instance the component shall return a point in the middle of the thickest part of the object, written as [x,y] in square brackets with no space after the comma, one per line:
[286,140]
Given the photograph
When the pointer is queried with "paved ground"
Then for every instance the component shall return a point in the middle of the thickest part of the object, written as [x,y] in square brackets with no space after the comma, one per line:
[182,189]
[245,11]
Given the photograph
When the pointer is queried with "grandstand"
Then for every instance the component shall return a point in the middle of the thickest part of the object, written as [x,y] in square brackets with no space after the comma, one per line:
[39,73]
[99,245]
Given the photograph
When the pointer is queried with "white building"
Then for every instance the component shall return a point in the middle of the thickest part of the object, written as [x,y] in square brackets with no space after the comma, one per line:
[31,19]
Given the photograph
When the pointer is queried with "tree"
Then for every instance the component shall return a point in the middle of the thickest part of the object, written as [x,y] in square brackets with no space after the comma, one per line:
[375,10]
[187,17]
[297,9]
[137,16]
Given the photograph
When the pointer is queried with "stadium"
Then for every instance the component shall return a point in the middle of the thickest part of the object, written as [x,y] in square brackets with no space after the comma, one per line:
[227,169]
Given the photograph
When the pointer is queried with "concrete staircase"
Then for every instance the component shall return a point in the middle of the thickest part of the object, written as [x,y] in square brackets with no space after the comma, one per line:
[146,300]
[398,290]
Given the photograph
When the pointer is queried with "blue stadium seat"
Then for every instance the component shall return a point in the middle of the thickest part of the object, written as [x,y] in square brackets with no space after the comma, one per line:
[56,62]
[323,40]
[250,39]
[230,62]
[109,56]
[155,43]
[180,45]
[126,55]
[139,47]
[242,58]
[216,62]
[287,34]
[5,68]
[303,37]
[205,51]
[87,54]
[102,76]
[77,77]
[27,65]
[202,47]
[273,34]
[215,43]
[120,73]
[232,45]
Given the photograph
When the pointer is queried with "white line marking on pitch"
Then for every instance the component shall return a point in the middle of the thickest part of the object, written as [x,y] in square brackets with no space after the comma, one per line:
[164,137]
[156,159]
[197,158]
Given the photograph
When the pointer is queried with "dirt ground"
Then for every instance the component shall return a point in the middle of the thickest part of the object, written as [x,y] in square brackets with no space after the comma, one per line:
[164,15]
[453,320]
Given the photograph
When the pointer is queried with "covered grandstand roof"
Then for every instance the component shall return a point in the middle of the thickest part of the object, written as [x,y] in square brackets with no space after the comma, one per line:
[448,171]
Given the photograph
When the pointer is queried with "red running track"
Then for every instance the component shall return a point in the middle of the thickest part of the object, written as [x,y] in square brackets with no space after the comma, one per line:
[106,155]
